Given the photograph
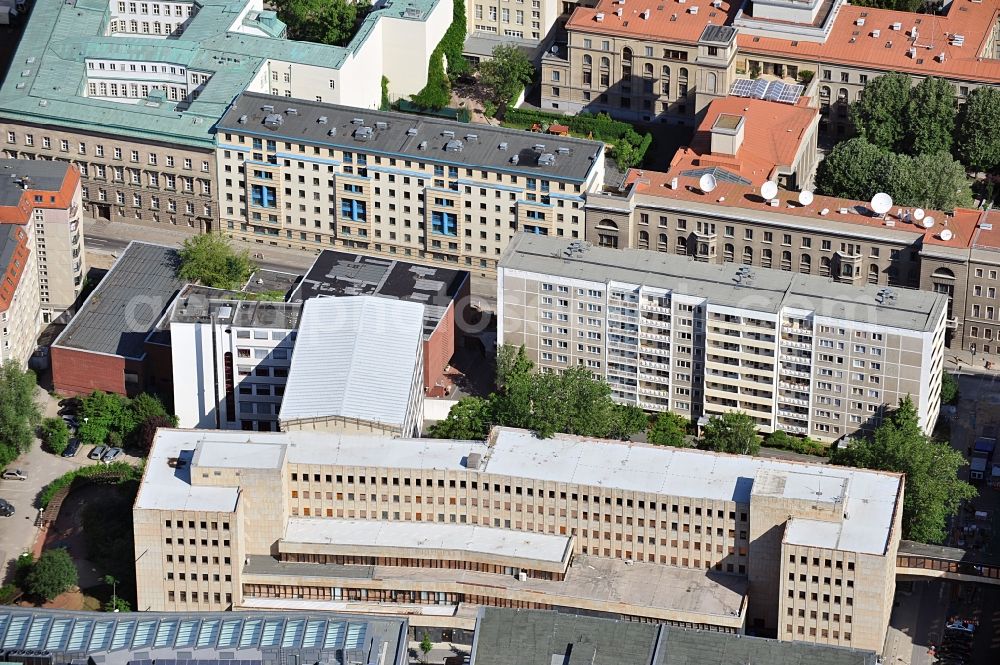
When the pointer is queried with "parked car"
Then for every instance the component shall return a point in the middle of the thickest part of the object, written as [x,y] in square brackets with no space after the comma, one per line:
[71,422]
[72,402]
[14,474]
[6,509]
[97,452]
[111,454]
[73,448]
[67,411]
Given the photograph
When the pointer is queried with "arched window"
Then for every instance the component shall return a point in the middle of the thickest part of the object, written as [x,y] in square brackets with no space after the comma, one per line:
[588,61]
[643,240]
[605,72]
[647,78]
[842,96]
[626,64]
[824,266]
[588,74]
[647,70]
[943,273]
[747,255]
[627,55]
[607,233]
[786,260]
[665,81]
[729,253]
[805,264]
[605,63]
[661,243]
[873,274]
[682,82]
[682,245]
[847,270]
[765,257]
[711,82]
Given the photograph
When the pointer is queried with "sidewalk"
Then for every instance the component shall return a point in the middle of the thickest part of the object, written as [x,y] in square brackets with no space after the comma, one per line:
[958,361]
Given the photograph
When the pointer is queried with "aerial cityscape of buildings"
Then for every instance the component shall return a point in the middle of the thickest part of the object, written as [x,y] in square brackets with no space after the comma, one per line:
[303,501]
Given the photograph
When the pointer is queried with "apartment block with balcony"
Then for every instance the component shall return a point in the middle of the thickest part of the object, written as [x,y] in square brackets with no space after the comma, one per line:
[318,176]
[802,354]
[666,62]
[435,529]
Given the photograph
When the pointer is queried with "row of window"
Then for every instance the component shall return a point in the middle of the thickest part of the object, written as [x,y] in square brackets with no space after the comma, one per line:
[154,202]
[117,153]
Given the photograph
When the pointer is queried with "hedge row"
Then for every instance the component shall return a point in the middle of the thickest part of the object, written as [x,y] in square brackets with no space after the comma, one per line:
[123,470]
[630,146]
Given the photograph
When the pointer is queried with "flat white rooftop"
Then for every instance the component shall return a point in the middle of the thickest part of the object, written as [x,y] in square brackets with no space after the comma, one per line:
[428,536]
[165,487]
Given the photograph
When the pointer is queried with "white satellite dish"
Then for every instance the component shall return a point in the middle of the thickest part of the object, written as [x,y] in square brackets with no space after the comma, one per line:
[769,189]
[918,214]
[928,222]
[881,203]
[554,49]
[946,235]
[707,183]
[805,197]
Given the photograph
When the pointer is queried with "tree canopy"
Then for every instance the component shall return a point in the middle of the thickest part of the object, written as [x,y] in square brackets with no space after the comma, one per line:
[505,74]
[211,260]
[55,434]
[668,430]
[733,432]
[949,388]
[856,169]
[107,417]
[322,21]
[53,574]
[929,117]
[878,114]
[19,413]
[977,131]
[574,402]
[933,490]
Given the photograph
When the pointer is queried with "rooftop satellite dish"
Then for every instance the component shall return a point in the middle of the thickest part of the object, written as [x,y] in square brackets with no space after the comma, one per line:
[928,222]
[707,183]
[881,203]
[918,214]
[769,189]
[805,197]
[946,235]
[555,48]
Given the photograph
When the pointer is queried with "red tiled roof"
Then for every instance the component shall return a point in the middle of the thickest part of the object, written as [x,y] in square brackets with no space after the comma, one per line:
[972,20]
[685,28]
[772,135]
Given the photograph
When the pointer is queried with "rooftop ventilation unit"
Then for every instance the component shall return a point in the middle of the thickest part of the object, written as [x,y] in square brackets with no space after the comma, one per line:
[472,138]
[692,10]
[644,14]
[332,132]
[599,16]
[514,159]
[321,120]
[381,124]
[412,131]
[563,151]
[896,26]
[940,57]
[958,40]
[455,145]
[876,33]
[273,120]
[292,111]
[502,146]
[357,121]
[243,119]
[473,461]
[448,134]
[860,21]
[717,4]
[546,159]
[363,133]
[538,147]
[267,108]
[618,12]
[412,12]
[911,52]
[775,203]
[422,146]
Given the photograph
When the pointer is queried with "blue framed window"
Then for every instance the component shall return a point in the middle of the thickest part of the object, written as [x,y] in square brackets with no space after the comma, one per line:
[352,188]
[438,170]
[452,171]
[263,196]
[446,203]
[263,175]
[537,230]
[445,223]
[348,158]
[258,144]
[271,145]
[529,183]
[535,214]
[354,210]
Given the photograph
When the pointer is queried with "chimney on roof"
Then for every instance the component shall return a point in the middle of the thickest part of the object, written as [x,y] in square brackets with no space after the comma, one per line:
[727,134]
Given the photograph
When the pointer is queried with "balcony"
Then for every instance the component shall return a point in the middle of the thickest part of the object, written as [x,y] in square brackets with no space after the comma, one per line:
[794,372]
[793,429]
[795,330]
[800,360]
[654,364]
[799,387]
[795,345]
[645,334]
[785,413]
[788,399]
[654,392]
[652,307]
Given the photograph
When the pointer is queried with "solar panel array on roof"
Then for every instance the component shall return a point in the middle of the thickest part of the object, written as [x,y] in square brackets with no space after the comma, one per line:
[775,91]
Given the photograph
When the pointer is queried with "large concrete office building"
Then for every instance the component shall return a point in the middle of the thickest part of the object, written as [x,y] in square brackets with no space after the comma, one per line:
[314,176]
[131,91]
[665,62]
[434,529]
[798,353]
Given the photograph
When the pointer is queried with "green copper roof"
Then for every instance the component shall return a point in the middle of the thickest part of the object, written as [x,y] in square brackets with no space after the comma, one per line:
[47,78]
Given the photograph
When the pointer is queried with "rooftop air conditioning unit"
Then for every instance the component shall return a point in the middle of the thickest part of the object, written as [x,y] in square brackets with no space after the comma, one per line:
[876,33]
[599,16]
[896,26]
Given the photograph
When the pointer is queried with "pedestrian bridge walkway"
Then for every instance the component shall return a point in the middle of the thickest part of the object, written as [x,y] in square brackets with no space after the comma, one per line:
[918,559]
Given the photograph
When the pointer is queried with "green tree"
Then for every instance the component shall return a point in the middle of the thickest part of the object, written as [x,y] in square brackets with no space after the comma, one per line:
[878,114]
[55,435]
[949,388]
[933,490]
[941,182]
[505,74]
[103,414]
[211,260]
[977,132]
[53,574]
[386,103]
[626,420]
[847,171]
[929,116]
[436,93]
[117,604]
[512,403]
[148,414]
[669,429]
[322,21]
[732,432]
[426,645]
[453,42]
[19,414]
[469,419]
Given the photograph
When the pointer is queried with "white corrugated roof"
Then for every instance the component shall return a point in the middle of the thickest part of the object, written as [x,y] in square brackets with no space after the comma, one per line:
[354,357]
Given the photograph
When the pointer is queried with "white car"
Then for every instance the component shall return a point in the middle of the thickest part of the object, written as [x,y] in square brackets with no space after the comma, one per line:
[14,474]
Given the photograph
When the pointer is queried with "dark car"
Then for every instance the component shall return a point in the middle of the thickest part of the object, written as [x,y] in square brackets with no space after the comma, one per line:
[97,452]
[72,449]
[6,509]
